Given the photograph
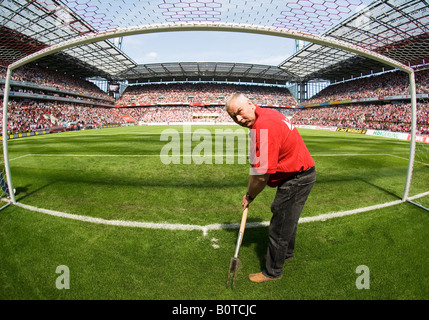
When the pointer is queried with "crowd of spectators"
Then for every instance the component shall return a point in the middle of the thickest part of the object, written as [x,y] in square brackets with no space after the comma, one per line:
[27,115]
[169,103]
[215,94]
[30,115]
[54,94]
[34,114]
[390,117]
[388,84]
[51,78]
[177,114]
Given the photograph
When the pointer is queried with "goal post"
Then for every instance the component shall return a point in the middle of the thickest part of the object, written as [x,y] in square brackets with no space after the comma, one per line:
[416,189]
[7,179]
[411,157]
[218,26]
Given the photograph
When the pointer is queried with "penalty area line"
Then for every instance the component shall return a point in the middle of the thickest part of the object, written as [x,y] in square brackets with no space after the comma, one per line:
[204,229]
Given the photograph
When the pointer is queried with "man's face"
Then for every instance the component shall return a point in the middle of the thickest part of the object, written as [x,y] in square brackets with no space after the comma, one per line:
[242,111]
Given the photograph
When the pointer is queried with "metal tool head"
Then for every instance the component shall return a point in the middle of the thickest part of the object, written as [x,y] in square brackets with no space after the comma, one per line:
[234,264]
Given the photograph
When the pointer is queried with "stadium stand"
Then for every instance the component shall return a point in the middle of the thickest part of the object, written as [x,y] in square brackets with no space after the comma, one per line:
[389,108]
[202,93]
[387,84]
[46,78]
[389,117]
[43,99]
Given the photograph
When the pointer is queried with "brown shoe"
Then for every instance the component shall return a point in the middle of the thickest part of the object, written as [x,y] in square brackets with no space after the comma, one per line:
[260,277]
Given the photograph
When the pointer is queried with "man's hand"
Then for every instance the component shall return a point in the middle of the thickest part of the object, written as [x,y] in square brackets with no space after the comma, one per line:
[246,201]
[256,184]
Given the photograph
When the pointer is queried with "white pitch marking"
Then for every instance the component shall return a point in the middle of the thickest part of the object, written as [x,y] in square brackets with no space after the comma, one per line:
[189,155]
[214,243]
[23,156]
[204,229]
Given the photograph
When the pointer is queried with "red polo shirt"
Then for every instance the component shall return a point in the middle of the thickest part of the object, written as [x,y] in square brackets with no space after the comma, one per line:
[278,147]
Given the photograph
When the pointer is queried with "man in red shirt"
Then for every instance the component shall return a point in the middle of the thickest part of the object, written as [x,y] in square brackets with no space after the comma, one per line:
[279,158]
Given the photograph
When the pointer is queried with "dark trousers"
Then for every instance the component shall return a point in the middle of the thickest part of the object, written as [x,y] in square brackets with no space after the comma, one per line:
[287,206]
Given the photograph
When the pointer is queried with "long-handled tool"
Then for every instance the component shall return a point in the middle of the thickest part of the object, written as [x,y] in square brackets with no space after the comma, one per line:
[235,262]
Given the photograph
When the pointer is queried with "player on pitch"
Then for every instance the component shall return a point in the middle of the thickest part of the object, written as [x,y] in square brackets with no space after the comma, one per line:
[282,161]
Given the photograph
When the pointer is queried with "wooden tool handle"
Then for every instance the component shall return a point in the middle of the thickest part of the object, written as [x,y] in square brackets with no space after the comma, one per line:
[240,233]
[243,220]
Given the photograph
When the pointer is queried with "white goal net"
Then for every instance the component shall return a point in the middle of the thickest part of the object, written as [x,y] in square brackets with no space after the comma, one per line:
[419,184]
[349,37]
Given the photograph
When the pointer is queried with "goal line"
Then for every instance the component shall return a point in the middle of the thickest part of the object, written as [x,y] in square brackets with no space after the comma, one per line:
[188,227]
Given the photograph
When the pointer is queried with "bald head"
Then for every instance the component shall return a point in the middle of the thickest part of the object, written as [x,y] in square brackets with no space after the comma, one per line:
[241,110]
[234,98]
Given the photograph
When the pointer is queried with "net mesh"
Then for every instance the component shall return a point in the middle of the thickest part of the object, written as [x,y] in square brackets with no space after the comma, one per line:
[397,29]
[4,192]
[419,186]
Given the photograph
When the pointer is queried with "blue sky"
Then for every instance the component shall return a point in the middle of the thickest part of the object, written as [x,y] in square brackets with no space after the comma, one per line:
[209,46]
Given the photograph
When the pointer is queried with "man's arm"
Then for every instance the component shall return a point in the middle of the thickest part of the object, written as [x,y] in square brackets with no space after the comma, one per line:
[256,184]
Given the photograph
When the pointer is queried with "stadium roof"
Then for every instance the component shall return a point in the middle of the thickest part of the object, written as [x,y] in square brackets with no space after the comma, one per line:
[201,71]
[395,28]
[29,26]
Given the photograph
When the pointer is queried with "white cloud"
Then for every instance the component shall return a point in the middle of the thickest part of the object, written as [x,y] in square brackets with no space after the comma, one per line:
[271,60]
[151,55]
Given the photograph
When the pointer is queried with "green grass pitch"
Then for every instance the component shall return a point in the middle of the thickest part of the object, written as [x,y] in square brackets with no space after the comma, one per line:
[117,174]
